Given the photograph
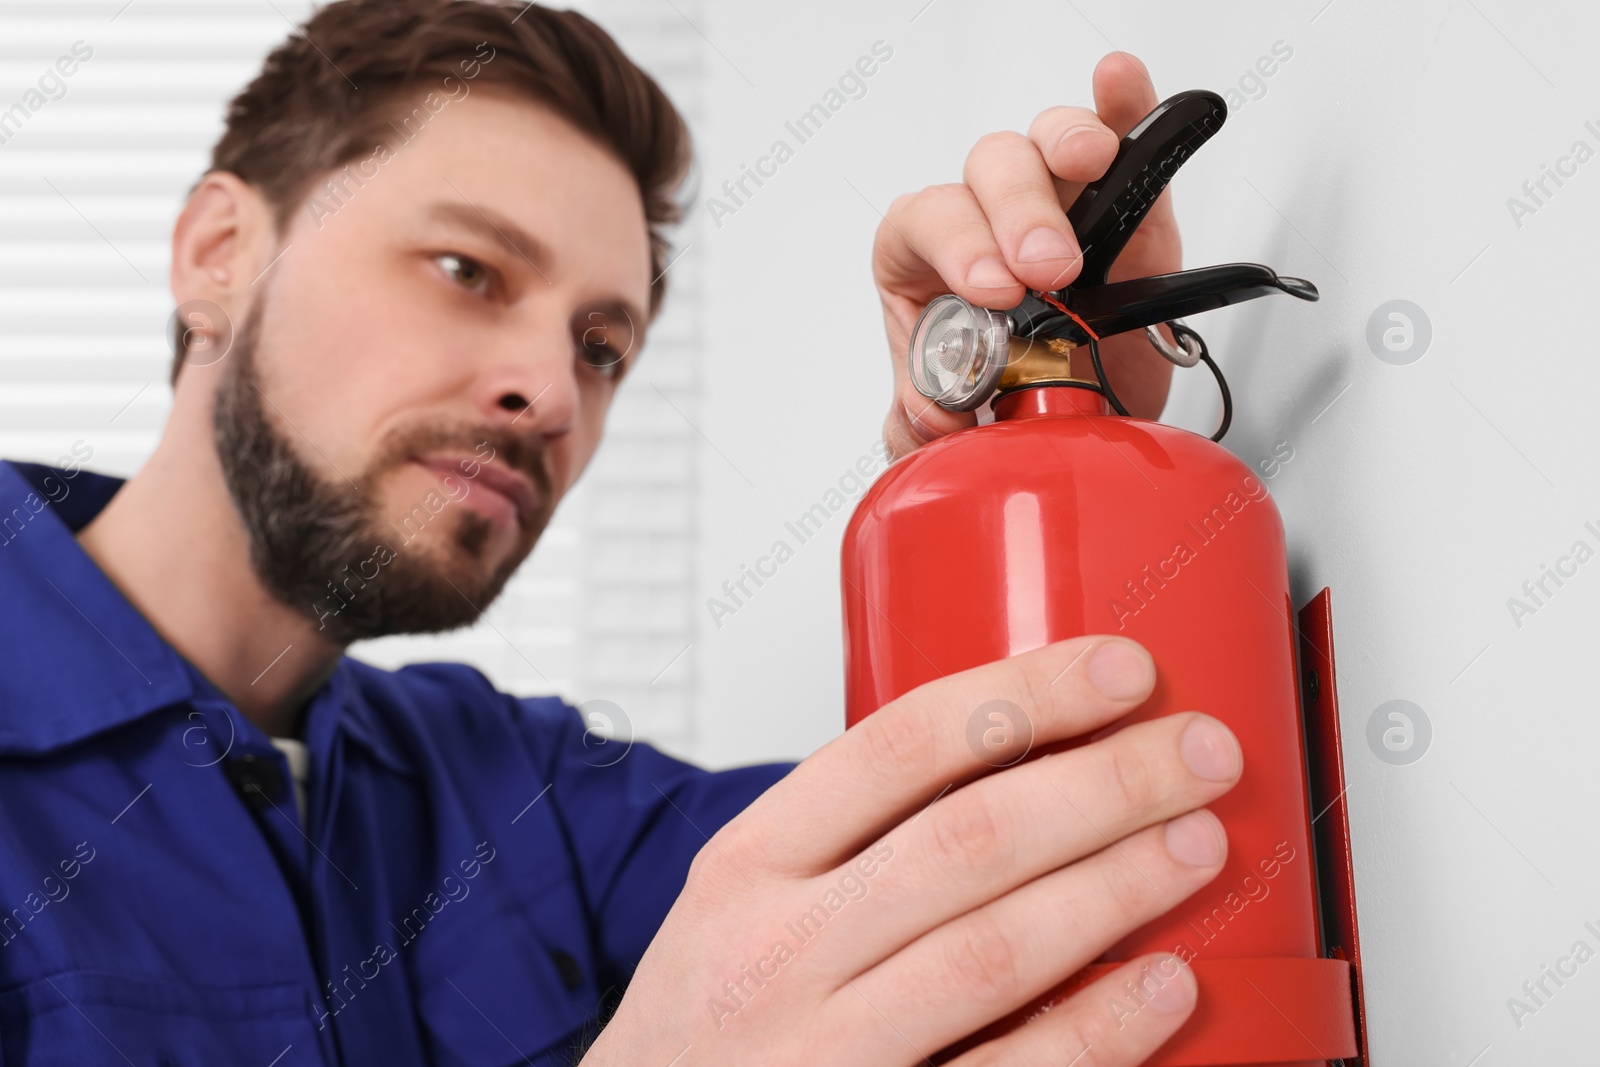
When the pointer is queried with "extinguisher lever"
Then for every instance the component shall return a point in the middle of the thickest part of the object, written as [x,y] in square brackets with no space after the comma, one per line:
[959,353]
[1108,210]
[1104,217]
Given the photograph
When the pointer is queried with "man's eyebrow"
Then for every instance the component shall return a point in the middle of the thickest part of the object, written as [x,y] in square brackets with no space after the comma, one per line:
[495,228]
[498,229]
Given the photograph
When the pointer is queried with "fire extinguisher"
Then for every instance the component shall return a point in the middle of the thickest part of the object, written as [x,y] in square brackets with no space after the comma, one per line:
[1063,517]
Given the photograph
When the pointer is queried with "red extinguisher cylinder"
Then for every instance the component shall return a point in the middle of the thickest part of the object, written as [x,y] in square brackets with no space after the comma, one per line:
[1059,520]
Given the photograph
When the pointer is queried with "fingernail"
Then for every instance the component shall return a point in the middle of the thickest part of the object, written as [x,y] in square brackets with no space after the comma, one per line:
[1210,750]
[1076,131]
[918,427]
[1195,839]
[990,273]
[1168,986]
[1044,243]
[1120,671]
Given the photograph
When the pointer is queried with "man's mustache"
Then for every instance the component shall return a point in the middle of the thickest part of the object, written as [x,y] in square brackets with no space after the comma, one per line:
[481,446]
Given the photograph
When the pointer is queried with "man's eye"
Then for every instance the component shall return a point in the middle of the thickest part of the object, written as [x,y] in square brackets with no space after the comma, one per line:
[603,339]
[465,271]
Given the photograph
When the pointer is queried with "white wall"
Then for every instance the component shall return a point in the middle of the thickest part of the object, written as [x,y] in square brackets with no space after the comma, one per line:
[1378,163]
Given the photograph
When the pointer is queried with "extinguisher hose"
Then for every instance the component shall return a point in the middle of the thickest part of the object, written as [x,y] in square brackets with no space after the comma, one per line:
[1100,374]
[1179,332]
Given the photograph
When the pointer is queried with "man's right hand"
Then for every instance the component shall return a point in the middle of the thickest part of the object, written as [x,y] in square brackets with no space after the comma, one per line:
[896,893]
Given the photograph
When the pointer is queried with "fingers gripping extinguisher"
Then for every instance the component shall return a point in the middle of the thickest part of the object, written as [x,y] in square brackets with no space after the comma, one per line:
[1065,517]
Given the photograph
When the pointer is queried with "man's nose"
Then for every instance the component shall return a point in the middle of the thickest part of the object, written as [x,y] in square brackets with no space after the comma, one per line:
[530,394]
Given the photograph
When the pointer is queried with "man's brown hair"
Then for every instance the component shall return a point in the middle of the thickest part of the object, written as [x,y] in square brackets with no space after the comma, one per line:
[349,80]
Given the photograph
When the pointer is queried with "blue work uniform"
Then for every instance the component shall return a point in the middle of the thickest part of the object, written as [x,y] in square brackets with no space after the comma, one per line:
[474,876]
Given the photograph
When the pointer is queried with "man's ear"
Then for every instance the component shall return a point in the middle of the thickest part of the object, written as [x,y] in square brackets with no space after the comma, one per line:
[221,241]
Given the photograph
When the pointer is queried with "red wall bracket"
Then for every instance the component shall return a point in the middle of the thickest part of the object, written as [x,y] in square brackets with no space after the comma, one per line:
[1330,825]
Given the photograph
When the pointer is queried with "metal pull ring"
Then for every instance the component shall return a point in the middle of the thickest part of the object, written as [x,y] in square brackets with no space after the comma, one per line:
[1187,355]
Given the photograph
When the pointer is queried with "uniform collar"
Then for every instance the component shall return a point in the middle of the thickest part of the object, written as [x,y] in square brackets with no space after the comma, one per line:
[81,658]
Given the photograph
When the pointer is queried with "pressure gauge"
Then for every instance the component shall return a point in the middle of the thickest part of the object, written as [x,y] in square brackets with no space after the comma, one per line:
[957,352]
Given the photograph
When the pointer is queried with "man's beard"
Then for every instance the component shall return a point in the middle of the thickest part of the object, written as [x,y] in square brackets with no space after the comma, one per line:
[322,546]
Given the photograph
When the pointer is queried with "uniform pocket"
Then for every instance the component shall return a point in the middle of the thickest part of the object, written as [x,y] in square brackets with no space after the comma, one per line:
[510,987]
[87,1018]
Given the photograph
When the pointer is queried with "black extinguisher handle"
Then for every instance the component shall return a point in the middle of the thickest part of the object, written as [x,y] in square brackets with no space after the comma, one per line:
[1118,307]
[1108,210]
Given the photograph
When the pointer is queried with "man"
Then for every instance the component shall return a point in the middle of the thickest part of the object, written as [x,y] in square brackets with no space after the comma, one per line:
[396,351]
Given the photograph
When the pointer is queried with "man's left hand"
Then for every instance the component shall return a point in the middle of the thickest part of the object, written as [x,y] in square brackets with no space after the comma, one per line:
[1003,230]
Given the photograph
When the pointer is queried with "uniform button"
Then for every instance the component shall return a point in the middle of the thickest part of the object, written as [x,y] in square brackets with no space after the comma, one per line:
[256,779]
[567,967]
